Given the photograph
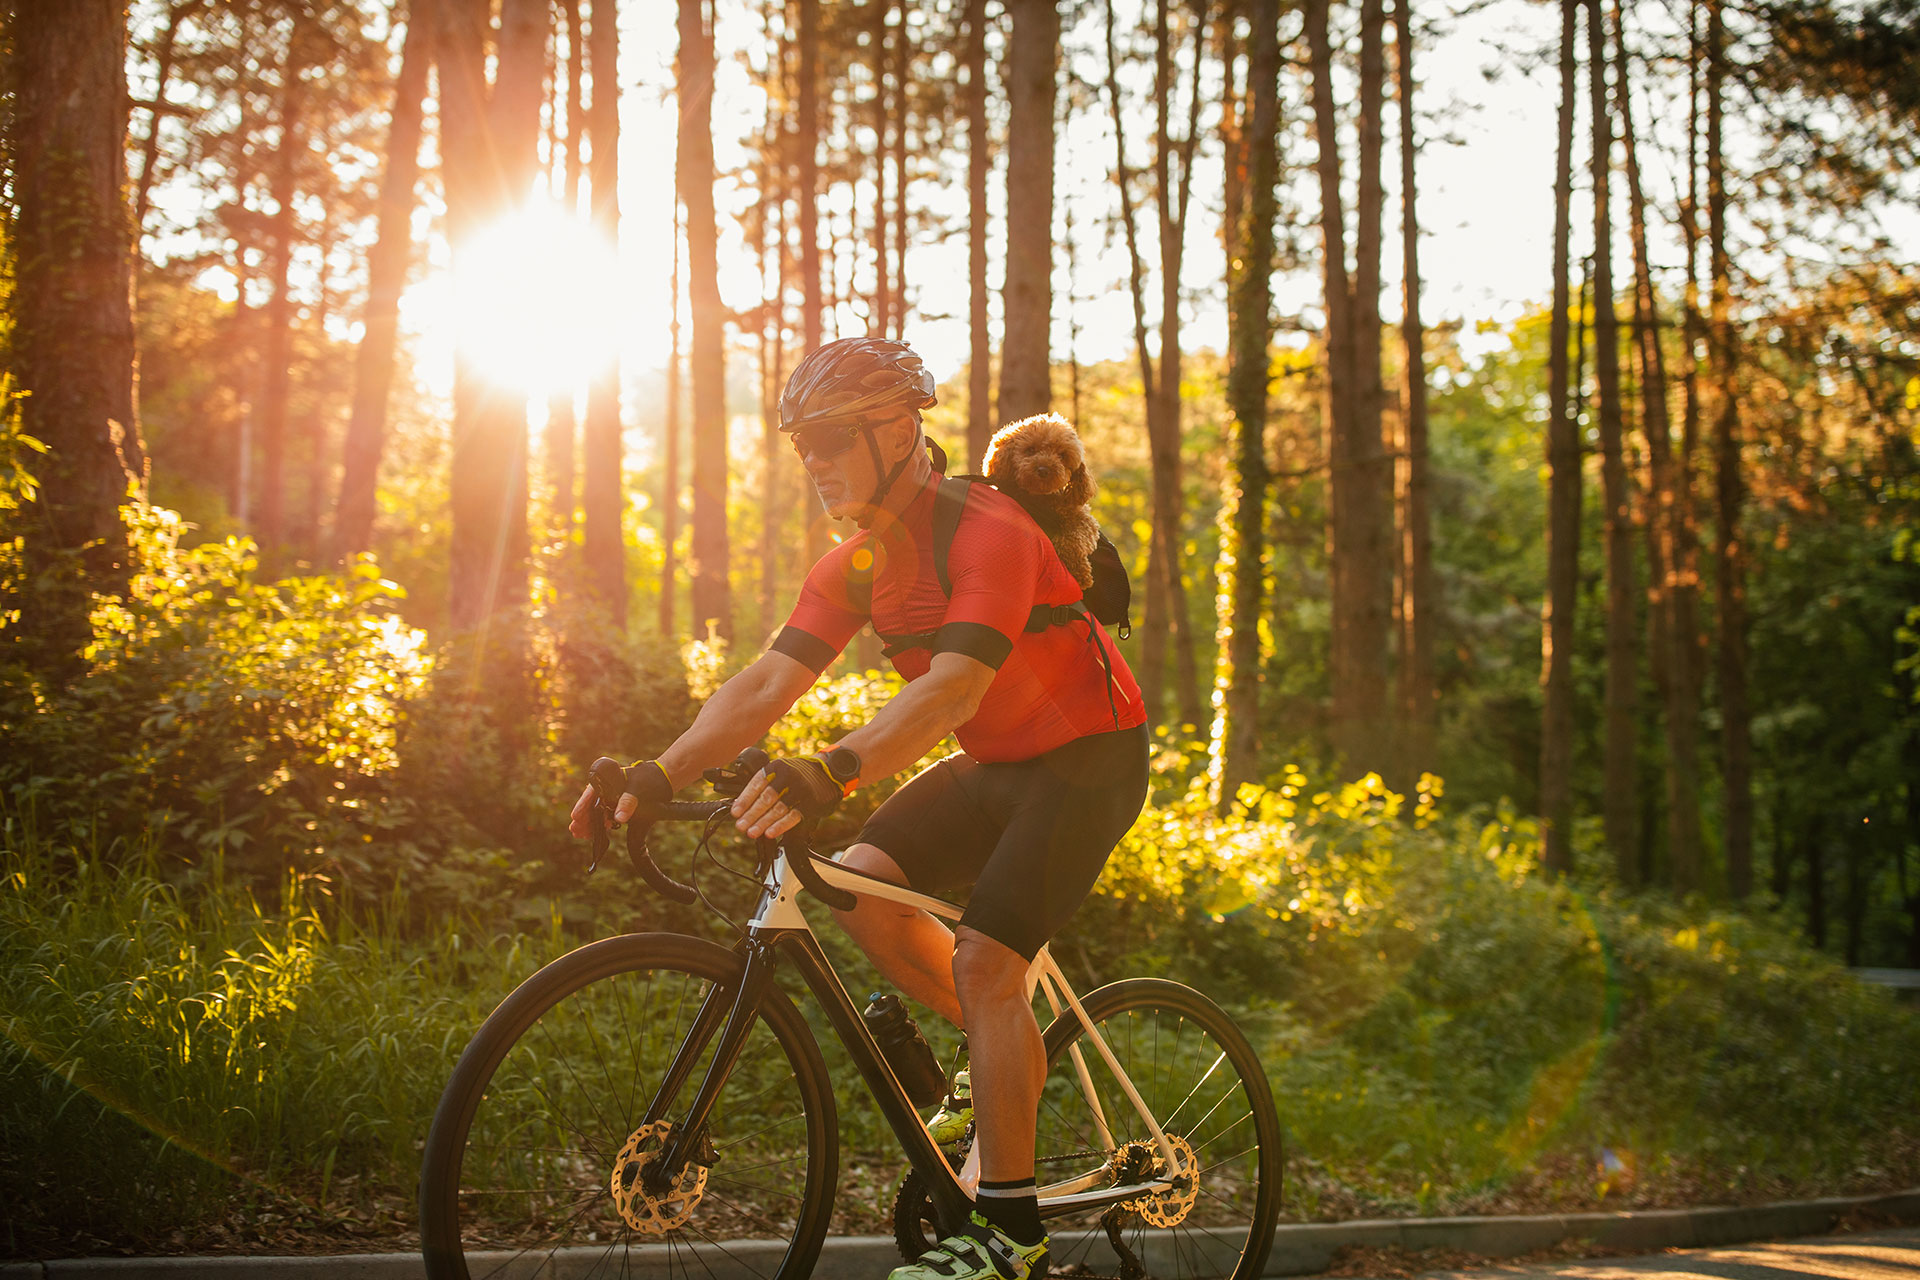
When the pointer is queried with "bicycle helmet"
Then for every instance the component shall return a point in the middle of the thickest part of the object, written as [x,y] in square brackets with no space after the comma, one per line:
[851,378]
[861,382]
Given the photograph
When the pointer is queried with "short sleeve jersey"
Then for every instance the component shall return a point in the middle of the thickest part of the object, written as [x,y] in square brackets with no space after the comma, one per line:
[1049,686]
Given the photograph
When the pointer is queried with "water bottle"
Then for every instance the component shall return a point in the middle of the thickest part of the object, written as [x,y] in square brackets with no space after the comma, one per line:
[905,1049]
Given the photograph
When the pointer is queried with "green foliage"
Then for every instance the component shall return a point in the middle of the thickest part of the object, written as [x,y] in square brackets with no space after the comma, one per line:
[231,712]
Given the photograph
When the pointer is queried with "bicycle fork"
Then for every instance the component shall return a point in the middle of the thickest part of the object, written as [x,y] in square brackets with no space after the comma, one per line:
[739,1008]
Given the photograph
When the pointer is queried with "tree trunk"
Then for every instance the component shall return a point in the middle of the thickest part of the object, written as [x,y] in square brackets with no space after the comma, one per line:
[1237,691]
[1033,57]
[812,319]
[602,446]
[489,546]
[903,113]
[1370,553]
[1151,671]
[1418,612]
[1359,508]
[387,265]
[712,603]
[771,242]
[670,446]
[1670,598]
[1730,596]
[277,354]
[1563,500]
[1619,801]
[979,160]
[563,422]
[72,339]
[881,314]
[980,417]
[1164,408]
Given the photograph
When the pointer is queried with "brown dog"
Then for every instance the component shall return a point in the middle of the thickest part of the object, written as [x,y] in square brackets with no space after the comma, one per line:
[1039,463]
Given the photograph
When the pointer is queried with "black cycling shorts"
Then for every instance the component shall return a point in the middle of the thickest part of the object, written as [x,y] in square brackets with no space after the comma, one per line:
[1030,836]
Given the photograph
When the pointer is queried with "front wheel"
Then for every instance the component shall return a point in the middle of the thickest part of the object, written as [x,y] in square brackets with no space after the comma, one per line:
[1204,1085]
[539,1158]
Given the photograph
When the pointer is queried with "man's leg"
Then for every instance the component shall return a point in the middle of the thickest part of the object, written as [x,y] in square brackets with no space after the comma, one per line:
[913,949]
[1009,1065]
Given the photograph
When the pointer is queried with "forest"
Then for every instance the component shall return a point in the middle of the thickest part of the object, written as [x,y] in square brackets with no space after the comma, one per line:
[390,428]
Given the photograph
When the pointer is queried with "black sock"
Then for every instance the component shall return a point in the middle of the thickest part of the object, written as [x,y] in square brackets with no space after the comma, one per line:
[1013,1207]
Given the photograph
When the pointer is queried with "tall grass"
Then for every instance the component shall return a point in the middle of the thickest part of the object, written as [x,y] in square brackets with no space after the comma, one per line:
[1445,1031]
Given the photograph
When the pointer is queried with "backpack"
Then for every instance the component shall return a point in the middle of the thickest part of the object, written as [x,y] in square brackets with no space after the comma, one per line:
[1106,601]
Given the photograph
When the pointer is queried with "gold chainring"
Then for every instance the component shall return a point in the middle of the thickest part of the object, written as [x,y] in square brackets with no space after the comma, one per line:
[1169,1208]
[646,1213]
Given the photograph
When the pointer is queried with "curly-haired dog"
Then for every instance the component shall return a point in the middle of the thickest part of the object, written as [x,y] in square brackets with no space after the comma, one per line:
[1039,463]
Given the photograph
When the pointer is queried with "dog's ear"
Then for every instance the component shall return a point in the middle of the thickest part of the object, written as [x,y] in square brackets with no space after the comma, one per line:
[1079,490]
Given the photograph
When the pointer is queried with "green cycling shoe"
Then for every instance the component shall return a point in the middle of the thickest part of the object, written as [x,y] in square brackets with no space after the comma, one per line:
[949,1123]
[981,1251]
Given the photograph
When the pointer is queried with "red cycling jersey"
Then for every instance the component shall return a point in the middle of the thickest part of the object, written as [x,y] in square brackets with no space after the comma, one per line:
[1049,686]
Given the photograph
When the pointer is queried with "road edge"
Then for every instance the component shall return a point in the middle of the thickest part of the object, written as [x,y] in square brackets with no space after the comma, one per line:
[1298,1248]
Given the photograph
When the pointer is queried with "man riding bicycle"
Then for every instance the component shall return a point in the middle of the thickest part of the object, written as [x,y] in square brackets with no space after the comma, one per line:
[1052,769]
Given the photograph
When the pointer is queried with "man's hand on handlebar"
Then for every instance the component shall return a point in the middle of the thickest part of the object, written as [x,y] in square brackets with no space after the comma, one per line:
[645,780]
[784,794]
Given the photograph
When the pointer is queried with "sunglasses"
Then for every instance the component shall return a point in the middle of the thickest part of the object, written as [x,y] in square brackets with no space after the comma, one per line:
[824,442]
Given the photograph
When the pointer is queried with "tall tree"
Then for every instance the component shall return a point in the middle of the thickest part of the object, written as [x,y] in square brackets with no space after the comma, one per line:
[1563,497]
[979,161]
[712,601]
[1166,614]
[1730,604]
[1618,802]
[563,423]
[490,143]
[1032,70]
[1670,501]
[387,265]
[1237,694]
[1417,610]
[1360,476]
[72,337]
[670,431]
[603,537]
[283,231]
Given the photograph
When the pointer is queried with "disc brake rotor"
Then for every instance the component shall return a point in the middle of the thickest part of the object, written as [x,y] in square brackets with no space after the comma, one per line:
[645,1212]
[1170,1207]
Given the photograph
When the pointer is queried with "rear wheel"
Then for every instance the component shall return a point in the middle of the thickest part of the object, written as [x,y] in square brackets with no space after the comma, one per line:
[539,1156]
[1203,1083]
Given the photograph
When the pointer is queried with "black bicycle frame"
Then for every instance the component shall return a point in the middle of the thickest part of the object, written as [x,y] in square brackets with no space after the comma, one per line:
[739,1006]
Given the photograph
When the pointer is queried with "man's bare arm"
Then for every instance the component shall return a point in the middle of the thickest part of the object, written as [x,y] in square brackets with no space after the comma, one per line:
[911,724]
[737,715]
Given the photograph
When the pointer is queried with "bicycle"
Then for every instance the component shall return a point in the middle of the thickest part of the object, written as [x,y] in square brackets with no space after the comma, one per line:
[655,1102]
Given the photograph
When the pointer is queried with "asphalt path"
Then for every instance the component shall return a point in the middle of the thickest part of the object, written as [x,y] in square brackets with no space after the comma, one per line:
[1864,1255]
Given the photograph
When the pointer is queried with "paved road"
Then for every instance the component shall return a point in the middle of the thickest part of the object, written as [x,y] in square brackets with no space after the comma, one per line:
[1865,1255]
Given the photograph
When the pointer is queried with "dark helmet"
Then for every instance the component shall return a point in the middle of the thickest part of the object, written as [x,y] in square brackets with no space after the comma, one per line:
[853,377]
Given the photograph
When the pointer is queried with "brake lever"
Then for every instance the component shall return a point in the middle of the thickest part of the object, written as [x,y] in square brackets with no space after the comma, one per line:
[609,781]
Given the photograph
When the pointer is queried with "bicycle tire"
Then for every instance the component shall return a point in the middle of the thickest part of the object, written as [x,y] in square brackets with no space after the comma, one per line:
[518,1171]
[1172,1042]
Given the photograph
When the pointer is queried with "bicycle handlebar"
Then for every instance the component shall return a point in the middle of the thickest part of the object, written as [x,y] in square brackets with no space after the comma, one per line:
[610,781]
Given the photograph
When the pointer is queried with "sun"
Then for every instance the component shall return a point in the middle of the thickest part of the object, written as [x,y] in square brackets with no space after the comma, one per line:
[534,302]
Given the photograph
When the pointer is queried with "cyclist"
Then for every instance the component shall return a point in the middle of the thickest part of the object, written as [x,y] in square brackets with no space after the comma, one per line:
[1052,769]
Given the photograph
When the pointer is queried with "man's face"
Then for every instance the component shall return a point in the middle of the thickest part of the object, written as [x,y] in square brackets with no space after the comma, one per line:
[846,481]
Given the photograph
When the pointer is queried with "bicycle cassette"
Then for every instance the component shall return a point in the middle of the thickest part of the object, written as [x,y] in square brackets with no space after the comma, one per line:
[647,1213]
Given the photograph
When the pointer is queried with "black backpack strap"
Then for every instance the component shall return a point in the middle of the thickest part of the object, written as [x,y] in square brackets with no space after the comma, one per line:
[948,503]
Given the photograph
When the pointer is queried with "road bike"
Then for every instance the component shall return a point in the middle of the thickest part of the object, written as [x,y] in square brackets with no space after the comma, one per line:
[656,1104]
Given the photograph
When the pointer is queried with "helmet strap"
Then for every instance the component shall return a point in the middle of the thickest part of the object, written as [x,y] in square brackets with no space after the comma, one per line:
[886,484]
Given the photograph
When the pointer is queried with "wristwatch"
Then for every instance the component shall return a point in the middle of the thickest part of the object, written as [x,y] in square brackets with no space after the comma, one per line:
[843,766]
